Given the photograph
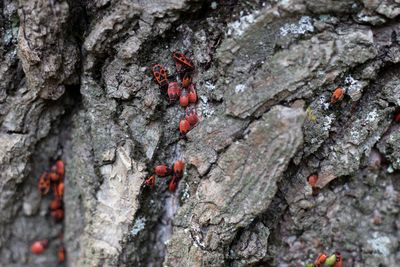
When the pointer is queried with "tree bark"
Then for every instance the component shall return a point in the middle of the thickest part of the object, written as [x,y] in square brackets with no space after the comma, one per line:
[76,85]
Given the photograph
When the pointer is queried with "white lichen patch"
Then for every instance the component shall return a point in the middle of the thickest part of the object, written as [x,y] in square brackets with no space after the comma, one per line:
[209,86]
[371,116]
[303,26]
[390,169]
[138,226]
[238,27]
[196,235]
[355,135]
[380,244]
[240,88]
[325,18]
[205,108]
[185,193]
[328,122]
[353,87]
[324,103]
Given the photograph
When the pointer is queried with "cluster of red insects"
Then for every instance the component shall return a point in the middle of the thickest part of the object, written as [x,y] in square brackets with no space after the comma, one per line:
[334,260]
[54,179]
[163,170]
[185,91]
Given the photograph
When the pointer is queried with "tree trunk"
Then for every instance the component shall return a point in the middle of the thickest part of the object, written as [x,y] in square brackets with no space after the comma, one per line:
[76,84]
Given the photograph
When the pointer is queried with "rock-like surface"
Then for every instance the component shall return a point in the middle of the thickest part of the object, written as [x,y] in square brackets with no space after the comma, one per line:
[236,190]
[322,58]
[387,8]
[47,54]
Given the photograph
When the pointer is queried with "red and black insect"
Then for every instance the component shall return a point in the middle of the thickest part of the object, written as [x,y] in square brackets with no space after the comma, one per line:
[396,117]
[312,180]
[178,168]
[191,116]
[44,183]
[58,190]
[162,170]
[160,75]
[59,168]
[151,181]
[192,93]
[339,260]
[184,65]
[57,214]
[174,91]
[173,183]
[183,60]
[319,262]
[337,95]
[53,176]
[55,204]
[184,126]
[186,80]
[61,254]
[184,98]
[39,246]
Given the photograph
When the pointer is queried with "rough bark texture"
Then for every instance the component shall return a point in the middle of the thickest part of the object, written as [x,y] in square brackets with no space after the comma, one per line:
[75,84]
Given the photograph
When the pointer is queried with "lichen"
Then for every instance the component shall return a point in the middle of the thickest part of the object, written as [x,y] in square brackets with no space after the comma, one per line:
[303,26]
[185,195]
[328,122]
[209,86]
[380,244]
[205,108]
[240,88]
[138,226]
[238,27]
[353,87]
[371,116]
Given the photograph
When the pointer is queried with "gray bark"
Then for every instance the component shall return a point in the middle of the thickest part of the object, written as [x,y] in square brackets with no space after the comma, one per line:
[75,84]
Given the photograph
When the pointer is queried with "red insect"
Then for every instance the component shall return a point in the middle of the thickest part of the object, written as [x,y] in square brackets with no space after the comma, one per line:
[181,59]
[321,260]
[44,183]
[184,99]
[61,254]
[55,204]
[178,168]
[57,214]
[173,91]
[60,189]
[337,95]
[312,180]
[186,80]
[160,75]
[54,177]
[192,93]
[39,246]
[151,181]
[396,117]
[191,116]
[184,126]
[339,260]
[161,170]
[59,167]
[173,183]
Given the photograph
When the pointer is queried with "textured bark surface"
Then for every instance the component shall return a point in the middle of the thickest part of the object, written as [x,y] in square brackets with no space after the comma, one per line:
[75,83]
